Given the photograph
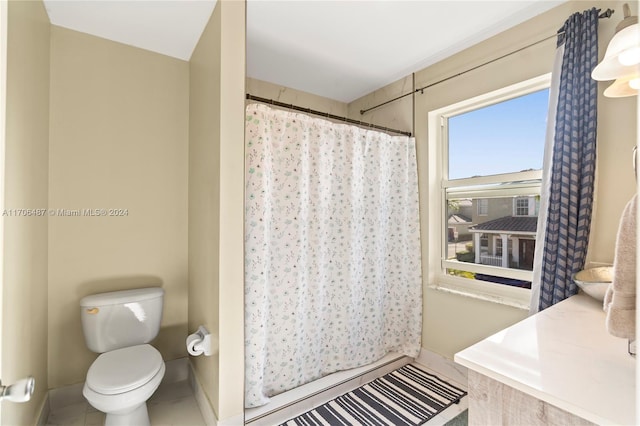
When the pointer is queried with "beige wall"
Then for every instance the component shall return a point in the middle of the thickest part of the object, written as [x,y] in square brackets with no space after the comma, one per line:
[204,197]
[287,95]
[232,83]
[396,115]
[118,139]
[216,204]
[452,322]
[24,322]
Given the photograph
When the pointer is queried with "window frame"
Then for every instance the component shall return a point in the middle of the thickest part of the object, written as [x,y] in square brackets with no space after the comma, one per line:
[478,187]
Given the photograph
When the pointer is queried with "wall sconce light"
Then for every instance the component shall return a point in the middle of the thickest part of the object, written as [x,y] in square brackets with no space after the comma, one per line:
[624,86]
[622,59]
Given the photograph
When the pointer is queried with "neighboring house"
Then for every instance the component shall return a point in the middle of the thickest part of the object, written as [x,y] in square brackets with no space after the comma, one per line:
[505,222]
[460,219]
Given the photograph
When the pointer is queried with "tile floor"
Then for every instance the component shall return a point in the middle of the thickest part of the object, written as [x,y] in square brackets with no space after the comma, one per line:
[172,404]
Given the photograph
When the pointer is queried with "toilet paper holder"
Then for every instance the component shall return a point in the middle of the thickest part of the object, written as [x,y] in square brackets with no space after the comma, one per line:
[199,342]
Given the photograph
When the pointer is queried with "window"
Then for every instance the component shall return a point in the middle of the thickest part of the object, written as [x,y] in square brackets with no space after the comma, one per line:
[490,152]
[498,246]
[483,207]
[524,206]
[484,242]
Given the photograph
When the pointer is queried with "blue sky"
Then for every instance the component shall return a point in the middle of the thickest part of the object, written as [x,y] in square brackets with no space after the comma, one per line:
[501,138]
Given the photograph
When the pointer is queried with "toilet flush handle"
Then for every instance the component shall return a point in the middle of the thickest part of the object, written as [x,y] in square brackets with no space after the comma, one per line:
[93,311]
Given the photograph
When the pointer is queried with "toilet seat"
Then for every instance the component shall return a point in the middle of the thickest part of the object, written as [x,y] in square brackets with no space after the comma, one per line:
[124,370]
[123,403]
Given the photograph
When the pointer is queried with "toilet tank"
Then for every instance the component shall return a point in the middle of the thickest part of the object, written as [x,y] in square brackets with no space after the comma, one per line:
[119,319]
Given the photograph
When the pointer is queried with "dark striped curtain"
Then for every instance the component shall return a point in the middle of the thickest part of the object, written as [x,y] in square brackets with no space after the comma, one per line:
[574,161]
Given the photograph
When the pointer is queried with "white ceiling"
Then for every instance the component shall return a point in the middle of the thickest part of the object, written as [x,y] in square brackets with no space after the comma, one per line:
[172,28]
[346,49]
[338,49]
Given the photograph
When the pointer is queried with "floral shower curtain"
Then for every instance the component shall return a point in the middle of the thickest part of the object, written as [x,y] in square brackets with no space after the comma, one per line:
[332,249]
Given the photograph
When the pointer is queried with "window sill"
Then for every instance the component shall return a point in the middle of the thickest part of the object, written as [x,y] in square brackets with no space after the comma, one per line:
[495,293]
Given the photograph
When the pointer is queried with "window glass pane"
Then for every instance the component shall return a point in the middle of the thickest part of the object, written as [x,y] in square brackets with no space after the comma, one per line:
[492,222]
[483,206]
[498,246]
[502,138]
[476,238]
[522,206]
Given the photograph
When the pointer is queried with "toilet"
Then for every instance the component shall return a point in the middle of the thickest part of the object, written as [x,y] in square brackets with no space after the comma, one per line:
[119,325]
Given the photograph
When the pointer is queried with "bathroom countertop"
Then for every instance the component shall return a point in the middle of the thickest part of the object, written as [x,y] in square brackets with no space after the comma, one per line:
[565,357]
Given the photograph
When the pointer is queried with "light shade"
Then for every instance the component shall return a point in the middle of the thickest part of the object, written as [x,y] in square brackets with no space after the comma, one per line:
[622,57]
[624,86]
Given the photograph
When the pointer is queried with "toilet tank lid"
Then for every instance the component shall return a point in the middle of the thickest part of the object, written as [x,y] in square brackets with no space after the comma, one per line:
[124,296]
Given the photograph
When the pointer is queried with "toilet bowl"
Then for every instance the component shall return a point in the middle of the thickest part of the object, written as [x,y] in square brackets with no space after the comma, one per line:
[120,382]
[119,325]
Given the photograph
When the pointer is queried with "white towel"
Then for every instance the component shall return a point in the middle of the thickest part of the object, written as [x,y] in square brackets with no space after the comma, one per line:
[620,300]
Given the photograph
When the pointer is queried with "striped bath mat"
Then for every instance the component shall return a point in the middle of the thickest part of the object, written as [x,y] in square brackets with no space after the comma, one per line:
[407,396]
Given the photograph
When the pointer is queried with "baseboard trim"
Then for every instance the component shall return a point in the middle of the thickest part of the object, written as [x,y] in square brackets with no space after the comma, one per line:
[175,371]
[64,396]
[443,365]
[206,409]
[233,421]
[45,410]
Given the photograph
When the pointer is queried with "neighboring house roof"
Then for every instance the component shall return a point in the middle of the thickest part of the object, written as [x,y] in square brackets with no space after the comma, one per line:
[508,224]
[455,219]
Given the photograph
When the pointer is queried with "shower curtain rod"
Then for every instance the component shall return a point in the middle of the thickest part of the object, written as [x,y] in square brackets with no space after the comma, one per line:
[605,14]
[325,114]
